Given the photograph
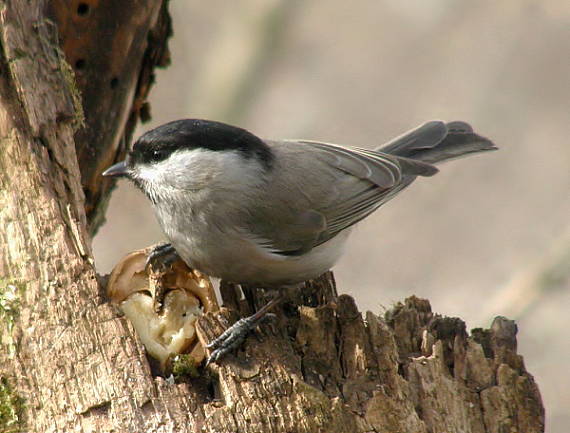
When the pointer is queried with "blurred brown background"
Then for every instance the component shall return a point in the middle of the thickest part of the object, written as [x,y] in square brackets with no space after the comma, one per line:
[489,235]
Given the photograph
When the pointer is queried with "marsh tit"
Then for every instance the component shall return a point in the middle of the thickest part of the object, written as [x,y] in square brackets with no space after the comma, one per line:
[274,213]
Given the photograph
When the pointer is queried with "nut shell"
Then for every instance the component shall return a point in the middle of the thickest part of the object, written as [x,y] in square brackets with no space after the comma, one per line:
[187,295]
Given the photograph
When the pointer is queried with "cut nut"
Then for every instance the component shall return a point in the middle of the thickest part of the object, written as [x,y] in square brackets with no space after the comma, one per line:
[188,294]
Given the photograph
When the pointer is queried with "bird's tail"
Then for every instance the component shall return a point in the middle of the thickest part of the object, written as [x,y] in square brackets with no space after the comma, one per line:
[436,141]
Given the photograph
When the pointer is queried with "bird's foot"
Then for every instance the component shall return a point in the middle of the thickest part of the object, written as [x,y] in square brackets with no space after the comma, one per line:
[158,262]
[161,257]
[235,335]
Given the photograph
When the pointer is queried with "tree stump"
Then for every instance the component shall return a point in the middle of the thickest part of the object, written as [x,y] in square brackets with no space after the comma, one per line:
[326,368]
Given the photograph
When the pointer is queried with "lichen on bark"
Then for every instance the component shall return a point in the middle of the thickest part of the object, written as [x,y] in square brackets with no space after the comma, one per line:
[11,408]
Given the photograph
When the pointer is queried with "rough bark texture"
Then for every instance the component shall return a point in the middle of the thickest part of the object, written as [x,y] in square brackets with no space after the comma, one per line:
[113,48]
[69,363]
[325,368]
[72,363]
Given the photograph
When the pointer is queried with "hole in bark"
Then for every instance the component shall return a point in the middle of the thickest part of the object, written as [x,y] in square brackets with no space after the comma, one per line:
[401,370]
[82,9]
[100,409]
[214,391]
[419,411]
[290,309]
[114,82]
[80,64]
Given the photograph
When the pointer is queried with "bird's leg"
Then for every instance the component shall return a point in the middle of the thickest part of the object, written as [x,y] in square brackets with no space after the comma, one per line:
[235,335]
[161,257]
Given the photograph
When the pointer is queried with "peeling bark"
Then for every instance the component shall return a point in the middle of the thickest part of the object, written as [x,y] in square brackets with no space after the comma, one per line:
[71,363]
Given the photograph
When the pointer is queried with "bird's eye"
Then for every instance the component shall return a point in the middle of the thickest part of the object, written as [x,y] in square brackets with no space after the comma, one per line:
[158,154]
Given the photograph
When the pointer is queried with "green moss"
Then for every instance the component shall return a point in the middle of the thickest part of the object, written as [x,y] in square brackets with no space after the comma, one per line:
[10,299]
[11,409]
[10,292]
[184,366]
[69,76]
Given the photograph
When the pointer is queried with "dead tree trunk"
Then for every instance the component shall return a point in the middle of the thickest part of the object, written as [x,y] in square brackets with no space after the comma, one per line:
[69,363]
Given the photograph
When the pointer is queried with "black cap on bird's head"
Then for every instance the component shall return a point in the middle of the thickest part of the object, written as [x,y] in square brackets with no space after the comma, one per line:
[159,143]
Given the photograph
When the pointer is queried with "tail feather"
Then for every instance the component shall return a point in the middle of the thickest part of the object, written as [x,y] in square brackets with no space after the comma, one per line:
[436,141]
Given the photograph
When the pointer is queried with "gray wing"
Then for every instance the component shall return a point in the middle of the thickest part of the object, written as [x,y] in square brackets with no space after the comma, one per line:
[377,168]
[361,181]
[348,184]
[376,176]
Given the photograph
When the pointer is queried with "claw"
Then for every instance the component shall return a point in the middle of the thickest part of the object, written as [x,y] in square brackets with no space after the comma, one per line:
[161,257]
[158,261]
[235,335]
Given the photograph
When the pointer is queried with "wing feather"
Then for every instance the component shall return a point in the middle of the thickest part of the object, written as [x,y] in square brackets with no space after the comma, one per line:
[376,167]
[375,177]
[424,136]
[363,180]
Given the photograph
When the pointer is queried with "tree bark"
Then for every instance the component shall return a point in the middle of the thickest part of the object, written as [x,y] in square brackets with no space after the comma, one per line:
[113,48]
[325,368]
[70,363]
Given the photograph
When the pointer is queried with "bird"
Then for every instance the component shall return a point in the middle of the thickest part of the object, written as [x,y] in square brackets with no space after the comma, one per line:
[273,213]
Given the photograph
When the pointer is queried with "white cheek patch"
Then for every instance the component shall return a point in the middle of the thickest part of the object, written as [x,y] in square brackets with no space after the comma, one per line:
[192,169]
[163,173]
[150,173]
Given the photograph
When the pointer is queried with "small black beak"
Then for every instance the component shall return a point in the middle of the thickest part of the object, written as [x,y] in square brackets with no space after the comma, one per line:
[118,170]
